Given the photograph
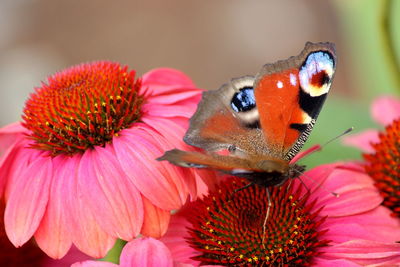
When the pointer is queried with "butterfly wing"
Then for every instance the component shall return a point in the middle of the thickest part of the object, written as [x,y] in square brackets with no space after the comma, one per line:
[227,118]
[244,167]
[289,96]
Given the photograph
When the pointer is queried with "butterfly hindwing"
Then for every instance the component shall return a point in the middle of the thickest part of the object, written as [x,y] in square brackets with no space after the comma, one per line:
[227,118]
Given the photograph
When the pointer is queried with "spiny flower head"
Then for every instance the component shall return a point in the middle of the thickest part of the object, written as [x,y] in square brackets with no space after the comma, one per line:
[383,165]
[82,107]
[227,227]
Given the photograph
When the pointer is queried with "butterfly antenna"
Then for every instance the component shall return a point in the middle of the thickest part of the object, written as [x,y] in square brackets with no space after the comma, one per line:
[266,217]
[315,183]
[315,148]
[338,136]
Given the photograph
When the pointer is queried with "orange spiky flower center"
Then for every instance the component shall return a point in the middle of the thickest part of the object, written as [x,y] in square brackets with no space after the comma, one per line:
[82,107]
[227,228]
[384,166]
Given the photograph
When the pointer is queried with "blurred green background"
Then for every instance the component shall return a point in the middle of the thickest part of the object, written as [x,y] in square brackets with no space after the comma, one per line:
[211,41]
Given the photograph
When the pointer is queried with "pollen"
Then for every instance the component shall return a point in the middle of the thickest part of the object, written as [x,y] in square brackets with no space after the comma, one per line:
[384,166]
[239,238]
[83,107]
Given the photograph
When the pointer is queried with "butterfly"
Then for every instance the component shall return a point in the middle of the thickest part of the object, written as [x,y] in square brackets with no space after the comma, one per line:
[253,126]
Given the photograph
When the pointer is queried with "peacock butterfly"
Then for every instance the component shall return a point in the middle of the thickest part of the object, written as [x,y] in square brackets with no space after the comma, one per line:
[261,122]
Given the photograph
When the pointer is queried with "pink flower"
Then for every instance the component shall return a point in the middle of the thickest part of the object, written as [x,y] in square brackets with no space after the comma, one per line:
[29,254]
[304,227]
[384,111]
[81,168]
[382,151]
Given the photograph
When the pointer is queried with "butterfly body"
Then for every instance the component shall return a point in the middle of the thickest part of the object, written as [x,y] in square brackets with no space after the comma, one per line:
[254,125]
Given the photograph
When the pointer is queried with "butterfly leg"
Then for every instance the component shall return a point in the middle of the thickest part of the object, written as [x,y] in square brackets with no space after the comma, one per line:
[242,188]
[266,216]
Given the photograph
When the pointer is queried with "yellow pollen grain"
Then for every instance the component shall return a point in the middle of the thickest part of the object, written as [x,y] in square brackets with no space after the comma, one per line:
[208,208]
[211,230]
[119,97]
[103,104]
[280,249]
[271,252]
[267,258]
[219,242]
[121,89]
[249,260]
[207,247]
[88,112]
[295,226]
[241,256]
[291,241]
[111,97]
[295,232]
[290,197]
[255,258]
[208,222]
[294,204]
[232,249]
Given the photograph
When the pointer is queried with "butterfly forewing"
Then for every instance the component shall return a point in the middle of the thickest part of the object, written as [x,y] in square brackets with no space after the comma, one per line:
[289,95]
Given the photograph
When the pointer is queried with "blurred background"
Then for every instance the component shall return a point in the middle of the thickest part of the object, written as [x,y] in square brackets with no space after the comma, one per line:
[211,41]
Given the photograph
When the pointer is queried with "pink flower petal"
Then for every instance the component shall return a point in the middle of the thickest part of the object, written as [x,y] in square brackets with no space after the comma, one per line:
[165,77]
[365,252]
[13,128]
[27,201]
[175,240]
[137,152]
[320,262]
[85,232]
[146,252]
[10,135]
[386,229]
[113,198]
[352,186]
[385,109]
[156,220]
[52,236]
[362,140]
[94,264]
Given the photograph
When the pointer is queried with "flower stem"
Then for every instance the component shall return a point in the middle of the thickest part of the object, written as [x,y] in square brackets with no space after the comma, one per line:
[388,42]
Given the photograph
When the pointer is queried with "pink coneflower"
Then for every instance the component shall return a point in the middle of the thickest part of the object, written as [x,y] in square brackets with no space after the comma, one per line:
[80,169]
[305,227]
[382,151]
[30,254]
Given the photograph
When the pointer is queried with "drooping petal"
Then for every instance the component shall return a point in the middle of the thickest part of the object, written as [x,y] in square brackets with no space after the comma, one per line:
[385,109]
[52,235]
[146,252]
[366,252]
[9,135]
[156,220]
[351,186]
[110,193]
[94,264]
[175,240]
[364,225]
[137,157]
[362,140]
[28,200]
[85,232]
[320,262]
[162,78]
